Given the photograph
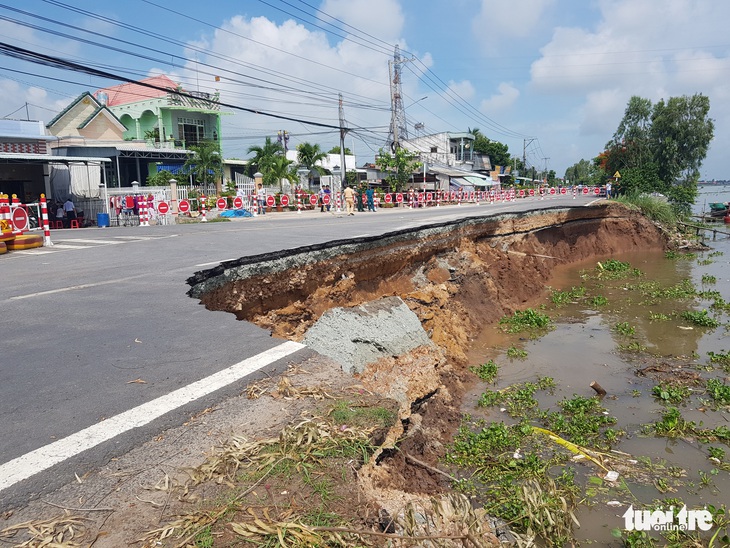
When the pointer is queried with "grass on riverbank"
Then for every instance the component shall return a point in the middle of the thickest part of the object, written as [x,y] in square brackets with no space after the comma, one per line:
[656,208]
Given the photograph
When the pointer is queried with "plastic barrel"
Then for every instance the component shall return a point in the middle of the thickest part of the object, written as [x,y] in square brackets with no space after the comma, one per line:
[102,220]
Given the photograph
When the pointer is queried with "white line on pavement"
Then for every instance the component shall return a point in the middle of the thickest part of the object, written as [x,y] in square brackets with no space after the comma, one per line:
[75,287]
[28,465]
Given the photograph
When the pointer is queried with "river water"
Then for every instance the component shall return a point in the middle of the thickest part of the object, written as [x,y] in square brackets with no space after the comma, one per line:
[584,347]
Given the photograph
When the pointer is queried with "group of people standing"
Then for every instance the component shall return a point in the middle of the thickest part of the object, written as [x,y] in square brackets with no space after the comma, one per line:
[353,197]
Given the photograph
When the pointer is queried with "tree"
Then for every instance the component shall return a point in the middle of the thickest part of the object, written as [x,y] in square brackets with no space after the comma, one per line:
[281,169]
[682,132]
[660,148]
[336,150]
[206,165]
[400,166]
[264,158]
[309,155]
[498,152]
[580,173]
[161,178]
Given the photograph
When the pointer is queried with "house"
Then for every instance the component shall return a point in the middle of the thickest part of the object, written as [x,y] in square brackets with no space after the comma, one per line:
[144,127]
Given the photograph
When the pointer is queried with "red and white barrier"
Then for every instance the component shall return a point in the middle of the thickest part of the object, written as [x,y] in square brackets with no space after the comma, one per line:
[299,203]
[46,226]
[203,207]
[143,218]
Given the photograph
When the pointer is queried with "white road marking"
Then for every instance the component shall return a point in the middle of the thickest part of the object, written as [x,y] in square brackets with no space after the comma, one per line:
[74,287]
[32,463]
[67,246]
[201,265]
[89,241]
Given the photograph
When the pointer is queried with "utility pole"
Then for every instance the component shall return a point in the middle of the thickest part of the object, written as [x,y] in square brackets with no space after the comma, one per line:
[343,132]
[545,170]
[525,142]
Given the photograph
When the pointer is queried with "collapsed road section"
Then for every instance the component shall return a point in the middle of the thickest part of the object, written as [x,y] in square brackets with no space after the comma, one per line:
[398,312]
[456,276]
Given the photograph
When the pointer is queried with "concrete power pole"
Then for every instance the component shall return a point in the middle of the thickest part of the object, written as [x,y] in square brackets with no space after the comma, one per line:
[343,132]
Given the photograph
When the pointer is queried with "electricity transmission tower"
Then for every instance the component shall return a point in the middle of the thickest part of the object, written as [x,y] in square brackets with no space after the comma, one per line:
[398,125]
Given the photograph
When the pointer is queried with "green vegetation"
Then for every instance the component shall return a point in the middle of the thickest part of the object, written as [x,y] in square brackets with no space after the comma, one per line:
[528,319]
[660,148]
[598,301]
[612,269]
[674,255]
[658,317]
[656,209]
[516,353]
[347,413]
[671,393]
[721,358]
[718,391]
[700,318]
[561,298]
[623,328]
[486,371]
[708,279]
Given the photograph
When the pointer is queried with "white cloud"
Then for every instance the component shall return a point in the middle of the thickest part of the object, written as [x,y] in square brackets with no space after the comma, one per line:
[381,18]
[505,97]
[464,89]
[498,19]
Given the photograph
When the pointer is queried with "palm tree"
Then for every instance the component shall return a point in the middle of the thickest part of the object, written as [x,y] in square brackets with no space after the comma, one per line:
[206,165]
[280,169]
[264,157]
[309,155]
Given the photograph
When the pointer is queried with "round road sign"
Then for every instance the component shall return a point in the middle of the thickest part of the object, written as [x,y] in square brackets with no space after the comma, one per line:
[532,192]
[313,199]
[270,201]
[183,206]
[596,191]
[20,218]
[221,203]
[238,202]
[563,190]
[284,200]
[399,197]
[552,190]
[163,208]
[585,190]
[326,199]
[388,198]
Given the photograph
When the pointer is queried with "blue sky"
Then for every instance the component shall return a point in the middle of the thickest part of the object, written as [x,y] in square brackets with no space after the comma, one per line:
[547,77]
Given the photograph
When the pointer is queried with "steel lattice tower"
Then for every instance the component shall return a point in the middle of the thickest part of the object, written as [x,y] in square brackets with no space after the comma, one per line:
[398,125]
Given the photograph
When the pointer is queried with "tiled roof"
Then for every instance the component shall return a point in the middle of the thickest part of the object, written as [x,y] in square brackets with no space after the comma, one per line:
[70,106]
[124,94]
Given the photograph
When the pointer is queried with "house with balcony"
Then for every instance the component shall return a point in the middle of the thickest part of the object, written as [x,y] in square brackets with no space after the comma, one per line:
[160,111]
[142,127]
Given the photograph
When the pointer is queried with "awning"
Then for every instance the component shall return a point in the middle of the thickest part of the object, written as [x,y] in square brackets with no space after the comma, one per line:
[460,184]
[480,181]
[172,168]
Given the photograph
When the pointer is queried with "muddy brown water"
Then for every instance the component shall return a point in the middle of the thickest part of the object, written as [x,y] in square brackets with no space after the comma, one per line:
[584,348]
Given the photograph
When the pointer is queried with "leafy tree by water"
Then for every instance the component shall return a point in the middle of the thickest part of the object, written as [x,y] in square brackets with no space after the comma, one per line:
[660,148]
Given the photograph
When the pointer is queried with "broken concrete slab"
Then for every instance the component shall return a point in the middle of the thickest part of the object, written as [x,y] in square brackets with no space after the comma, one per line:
[358,336]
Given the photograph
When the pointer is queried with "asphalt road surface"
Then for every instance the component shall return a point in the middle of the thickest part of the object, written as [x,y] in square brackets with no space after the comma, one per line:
[101,349]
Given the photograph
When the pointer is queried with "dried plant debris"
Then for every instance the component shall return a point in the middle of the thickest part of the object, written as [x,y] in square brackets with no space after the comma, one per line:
[67,530]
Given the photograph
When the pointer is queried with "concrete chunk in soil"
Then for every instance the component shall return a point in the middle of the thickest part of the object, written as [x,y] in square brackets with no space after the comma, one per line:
[358,336]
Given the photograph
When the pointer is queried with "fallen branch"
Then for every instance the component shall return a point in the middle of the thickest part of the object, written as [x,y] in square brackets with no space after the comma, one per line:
[414,460]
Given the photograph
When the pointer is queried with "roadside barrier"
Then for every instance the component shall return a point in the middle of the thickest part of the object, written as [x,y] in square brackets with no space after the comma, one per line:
[203,219]
[46,226]
[143,218]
